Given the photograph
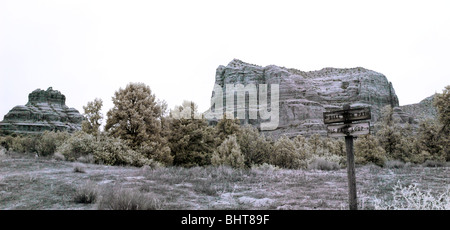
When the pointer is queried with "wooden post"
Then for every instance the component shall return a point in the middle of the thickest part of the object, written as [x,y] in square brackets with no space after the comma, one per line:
[351,173]
[352,199]
[348,130]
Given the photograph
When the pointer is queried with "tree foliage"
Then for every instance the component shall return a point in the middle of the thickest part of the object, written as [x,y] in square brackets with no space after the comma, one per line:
[229,153]
[431,141]
[442,103]
[192,141]
[389,135]
[368,150]
[135,117]
[93,115]
[285,154]
[254,146]
[227,127]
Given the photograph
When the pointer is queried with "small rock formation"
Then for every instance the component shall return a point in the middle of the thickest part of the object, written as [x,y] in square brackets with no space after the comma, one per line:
[422,110]
[45,110]
[304,96]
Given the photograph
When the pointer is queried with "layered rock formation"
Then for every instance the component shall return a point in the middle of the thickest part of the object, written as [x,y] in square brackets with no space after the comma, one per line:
[304,96]
[45,110]
[422,110]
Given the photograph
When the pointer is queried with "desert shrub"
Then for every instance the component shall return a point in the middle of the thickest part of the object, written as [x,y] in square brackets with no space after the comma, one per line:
[320,163]
[79,168]
[127,199]
[24,144]
[2,152]
[59,157]
[265,167]
[227,127]
[113,151]
[408,150]
[316,145]
[228,153]
[77,145]
[412,198]
[88,159]
[153,165]
[368,150]
[6,142]
[394,164]
[86,194]
[285,155]
[419,158]
[156,152]
[335,146]
[302,147]
[49,141]
[254,146]
[433,164]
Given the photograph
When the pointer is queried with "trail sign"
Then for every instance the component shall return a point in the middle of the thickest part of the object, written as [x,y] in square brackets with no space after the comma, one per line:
[348,130]
[354,129]
[346,115]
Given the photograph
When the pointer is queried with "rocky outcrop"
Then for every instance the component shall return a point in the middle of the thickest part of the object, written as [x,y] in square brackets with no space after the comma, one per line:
[45,110]
[304,96]
[422,110]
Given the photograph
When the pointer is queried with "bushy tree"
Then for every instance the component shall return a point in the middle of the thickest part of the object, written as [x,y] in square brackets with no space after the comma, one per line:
[315,144]
[229,153]
[6,142]
[113,151]
[285,155]
[49,141]
[302,147]
[24,144]
[389,135]
[335,146]
[191,141]
[442,103]
[93,115]
[77,145]
[409,148]
[136,119]
[368,150]
[227,127]
[254,146]
[430,140]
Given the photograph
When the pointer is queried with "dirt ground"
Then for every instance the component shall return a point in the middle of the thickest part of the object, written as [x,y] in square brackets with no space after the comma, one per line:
[30,183]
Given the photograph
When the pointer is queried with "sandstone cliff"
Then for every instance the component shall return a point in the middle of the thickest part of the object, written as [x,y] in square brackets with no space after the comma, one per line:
[304,96]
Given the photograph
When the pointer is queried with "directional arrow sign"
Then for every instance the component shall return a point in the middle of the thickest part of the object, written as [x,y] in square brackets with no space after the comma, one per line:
[343,130]
[352,114]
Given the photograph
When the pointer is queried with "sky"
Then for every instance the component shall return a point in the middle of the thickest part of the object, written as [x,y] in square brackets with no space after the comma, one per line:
[90,49]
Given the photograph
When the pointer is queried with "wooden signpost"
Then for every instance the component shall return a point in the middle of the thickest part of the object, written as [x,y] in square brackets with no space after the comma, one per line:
[348,130]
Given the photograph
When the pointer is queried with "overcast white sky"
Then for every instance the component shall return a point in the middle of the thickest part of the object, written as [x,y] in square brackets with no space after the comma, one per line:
[89,49]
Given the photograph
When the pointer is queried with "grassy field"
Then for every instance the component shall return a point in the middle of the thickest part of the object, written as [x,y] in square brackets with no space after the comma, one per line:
[29,183]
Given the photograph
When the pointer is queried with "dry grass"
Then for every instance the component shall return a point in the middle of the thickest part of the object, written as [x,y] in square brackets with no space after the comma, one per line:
[118,198]
[79,168]
[59,157]
[322,164]
[28,183]
[394,164]
[86,194]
